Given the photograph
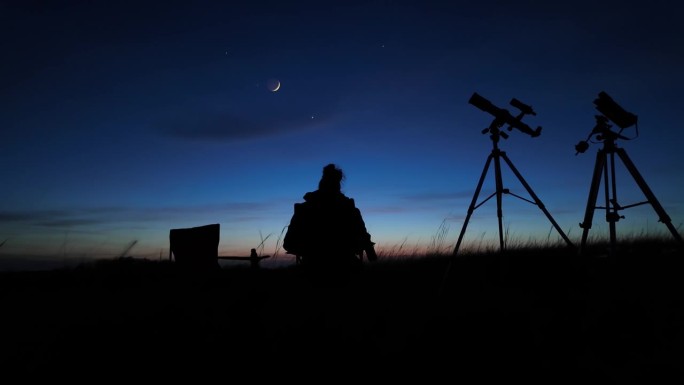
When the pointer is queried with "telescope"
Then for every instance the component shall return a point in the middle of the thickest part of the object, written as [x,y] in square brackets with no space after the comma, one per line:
[502,116]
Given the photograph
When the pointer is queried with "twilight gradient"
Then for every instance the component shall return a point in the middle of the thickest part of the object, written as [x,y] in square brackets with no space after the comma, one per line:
[122,120]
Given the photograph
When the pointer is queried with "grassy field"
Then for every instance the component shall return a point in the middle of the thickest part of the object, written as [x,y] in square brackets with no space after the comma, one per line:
[533,314]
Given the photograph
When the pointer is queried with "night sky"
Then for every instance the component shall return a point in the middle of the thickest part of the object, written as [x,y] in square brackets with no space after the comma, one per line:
[122,120]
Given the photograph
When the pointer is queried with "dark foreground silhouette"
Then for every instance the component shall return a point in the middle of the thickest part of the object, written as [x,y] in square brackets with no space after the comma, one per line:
[542,316]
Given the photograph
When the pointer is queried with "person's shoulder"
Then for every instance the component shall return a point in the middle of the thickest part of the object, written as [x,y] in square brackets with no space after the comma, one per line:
[347,200]
[310,196]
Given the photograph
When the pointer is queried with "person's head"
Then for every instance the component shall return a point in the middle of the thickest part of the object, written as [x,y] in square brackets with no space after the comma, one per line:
[331,181]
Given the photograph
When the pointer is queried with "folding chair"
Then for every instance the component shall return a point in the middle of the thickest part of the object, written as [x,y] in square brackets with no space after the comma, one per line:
[196,248]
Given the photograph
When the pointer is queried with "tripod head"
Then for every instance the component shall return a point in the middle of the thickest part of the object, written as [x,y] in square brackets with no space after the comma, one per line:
[601,131]
[502,116]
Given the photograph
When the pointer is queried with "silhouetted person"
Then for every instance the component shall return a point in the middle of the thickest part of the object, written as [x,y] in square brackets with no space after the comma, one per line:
[327,232]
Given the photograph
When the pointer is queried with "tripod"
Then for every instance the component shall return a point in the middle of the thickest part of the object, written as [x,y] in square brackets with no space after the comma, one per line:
[601,169]
[496,155]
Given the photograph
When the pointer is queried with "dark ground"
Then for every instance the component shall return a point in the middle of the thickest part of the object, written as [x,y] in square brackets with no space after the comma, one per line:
[537,316]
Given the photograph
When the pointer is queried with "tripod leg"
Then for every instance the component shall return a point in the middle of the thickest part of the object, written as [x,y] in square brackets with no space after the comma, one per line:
[471,208]
[662,215]
[612,215]
[536,199]
[593,194]
[499,192]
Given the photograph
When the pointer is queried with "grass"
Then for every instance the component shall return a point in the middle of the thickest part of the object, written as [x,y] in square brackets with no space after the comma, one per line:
[533,313]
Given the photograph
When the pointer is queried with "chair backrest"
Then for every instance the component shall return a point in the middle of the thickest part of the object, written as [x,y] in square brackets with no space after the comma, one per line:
[195,247]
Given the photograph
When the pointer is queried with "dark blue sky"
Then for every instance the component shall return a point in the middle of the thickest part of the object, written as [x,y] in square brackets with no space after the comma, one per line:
[122,120]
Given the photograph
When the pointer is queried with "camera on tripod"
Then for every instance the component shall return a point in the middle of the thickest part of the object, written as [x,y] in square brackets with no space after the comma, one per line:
[613,112]
[604,170]
[607,106]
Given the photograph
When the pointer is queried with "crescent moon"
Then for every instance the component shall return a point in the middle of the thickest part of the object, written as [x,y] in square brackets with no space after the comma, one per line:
[273,85]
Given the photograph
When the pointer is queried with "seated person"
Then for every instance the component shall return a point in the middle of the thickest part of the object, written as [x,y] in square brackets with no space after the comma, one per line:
[327,229]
